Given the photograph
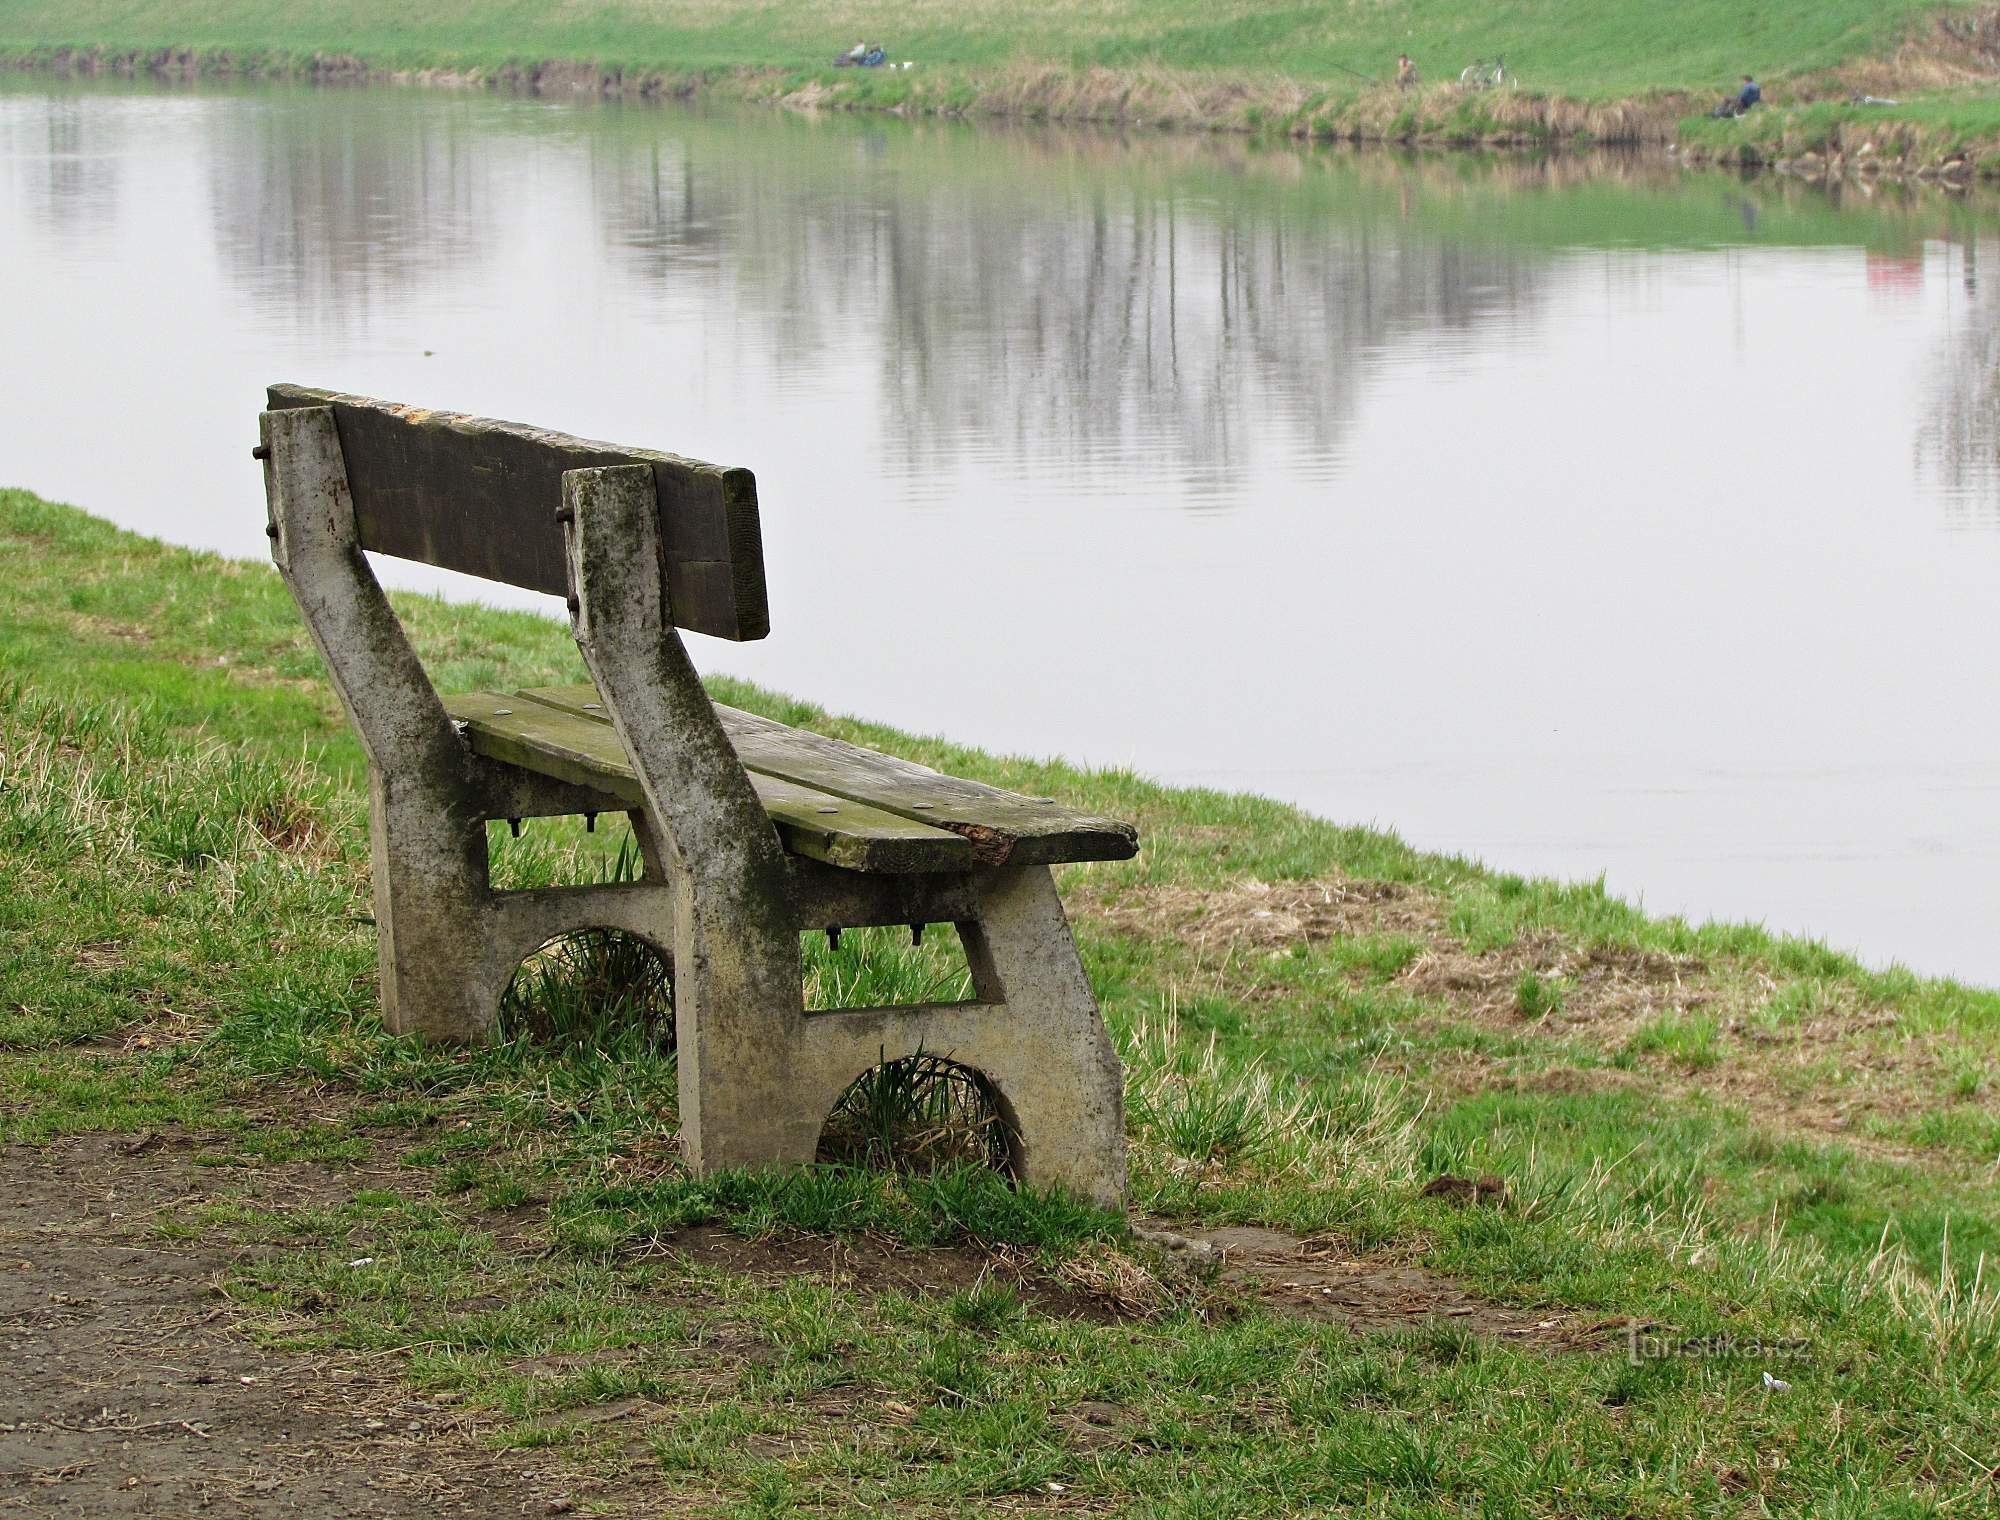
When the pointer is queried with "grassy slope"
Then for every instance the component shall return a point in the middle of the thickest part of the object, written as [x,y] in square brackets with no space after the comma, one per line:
[1702,1128]
[1591,48]
[1166,57]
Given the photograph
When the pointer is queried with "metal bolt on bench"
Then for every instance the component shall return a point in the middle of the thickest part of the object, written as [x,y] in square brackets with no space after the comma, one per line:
[751,832]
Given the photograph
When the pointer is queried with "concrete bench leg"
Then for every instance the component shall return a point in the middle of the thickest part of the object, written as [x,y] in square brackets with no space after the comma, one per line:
[448,944]
[759,1075]
[1033,1033]
[438,978]
[428,844]
[737,989]
[1050,1056]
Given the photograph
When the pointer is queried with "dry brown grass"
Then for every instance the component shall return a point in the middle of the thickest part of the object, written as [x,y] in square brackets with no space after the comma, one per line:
[1844,1069]
[1949,52]
[1608,989]
[1780,1101]
[1811,1057]
[1441,113]
[1134,1289]
[1268,916]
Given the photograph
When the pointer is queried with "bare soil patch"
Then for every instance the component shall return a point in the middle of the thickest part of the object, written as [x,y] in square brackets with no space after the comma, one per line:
[130,1392]
[136,1390]
[1313,1278]
[1371,1294]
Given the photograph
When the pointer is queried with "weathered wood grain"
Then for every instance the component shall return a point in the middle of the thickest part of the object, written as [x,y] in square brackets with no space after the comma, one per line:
[479,496]
[574,748]
[1003,828]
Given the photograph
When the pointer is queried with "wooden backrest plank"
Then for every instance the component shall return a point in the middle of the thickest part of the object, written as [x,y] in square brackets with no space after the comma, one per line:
[837,830]
[1003,828]
[480,497]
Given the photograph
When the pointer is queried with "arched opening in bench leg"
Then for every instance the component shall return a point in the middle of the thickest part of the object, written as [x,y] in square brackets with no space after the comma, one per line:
[921,1113]
[608,988]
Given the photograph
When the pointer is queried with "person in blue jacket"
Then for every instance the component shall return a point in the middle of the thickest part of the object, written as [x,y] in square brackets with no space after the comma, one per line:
[1741,101]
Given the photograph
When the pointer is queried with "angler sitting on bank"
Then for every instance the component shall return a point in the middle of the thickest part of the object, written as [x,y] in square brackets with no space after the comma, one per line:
[1741,101]
[863,55]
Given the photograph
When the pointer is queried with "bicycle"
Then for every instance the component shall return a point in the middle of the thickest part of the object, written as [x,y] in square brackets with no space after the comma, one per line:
[1484,75]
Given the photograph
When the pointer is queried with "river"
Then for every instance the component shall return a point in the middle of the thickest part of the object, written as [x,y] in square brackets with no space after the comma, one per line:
[1581,515]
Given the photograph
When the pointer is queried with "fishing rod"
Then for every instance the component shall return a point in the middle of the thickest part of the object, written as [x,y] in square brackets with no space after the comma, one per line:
[1357,73]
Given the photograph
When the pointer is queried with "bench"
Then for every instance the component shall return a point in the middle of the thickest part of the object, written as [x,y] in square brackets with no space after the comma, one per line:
[750,832]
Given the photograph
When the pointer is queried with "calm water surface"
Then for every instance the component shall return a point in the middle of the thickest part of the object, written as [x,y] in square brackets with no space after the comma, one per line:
[1584,518]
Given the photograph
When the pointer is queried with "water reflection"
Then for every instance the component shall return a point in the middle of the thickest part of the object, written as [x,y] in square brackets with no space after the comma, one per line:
[1025,294]
[324,214]
[1044,307]
[67,177]
[1109,328]
[1958,446]
[1124,318]
[1578,513]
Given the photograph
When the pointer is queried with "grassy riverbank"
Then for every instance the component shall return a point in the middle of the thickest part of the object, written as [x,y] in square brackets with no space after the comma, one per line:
[1704,1131]
[1610,70]
[1952,135]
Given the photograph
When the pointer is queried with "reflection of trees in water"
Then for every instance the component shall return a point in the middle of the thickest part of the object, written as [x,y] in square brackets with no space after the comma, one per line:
[1149,325]
[657,210]
[1050,303]
[1958,445]
[325,209]
[65,153]
[1075,302]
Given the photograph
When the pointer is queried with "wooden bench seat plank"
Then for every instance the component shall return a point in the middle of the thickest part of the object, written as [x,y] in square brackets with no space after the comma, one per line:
[839,831]
[1002,827]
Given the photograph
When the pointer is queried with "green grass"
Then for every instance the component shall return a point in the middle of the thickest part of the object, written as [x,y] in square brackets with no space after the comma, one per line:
[1537,996]
[1703,1129]
[1597,51]
[1686,1041]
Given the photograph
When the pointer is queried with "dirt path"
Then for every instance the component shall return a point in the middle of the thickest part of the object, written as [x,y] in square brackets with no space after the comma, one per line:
[128,1392]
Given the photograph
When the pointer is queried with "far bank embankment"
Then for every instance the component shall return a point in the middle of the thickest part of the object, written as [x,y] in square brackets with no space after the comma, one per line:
[1155,63]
